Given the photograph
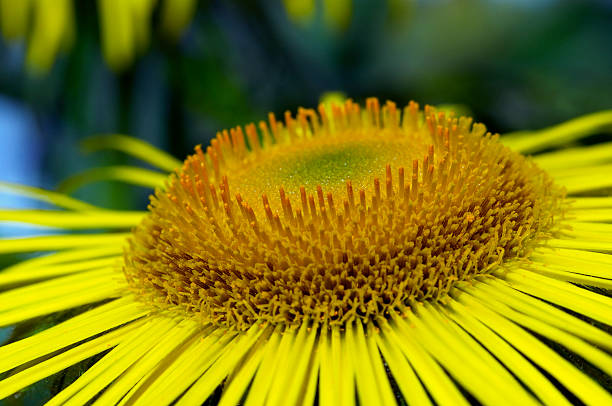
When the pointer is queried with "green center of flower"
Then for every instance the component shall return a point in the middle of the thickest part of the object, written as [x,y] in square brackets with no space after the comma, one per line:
[326,166]
[330,219]
[327,163]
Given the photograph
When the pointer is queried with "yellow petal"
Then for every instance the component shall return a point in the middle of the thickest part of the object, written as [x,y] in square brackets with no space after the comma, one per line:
[75,221]
[126,174]
[133,147]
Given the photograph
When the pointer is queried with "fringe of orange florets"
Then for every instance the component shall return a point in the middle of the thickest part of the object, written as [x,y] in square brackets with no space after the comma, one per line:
[234,145]
[459,211]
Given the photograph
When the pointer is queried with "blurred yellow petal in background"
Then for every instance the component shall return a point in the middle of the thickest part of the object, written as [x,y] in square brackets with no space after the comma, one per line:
[48,26]
[336,13]
[14,18]
[176,15]
[300,11]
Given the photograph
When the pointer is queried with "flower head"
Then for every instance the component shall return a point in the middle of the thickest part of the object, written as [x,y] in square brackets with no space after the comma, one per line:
[374,253]
[309,225]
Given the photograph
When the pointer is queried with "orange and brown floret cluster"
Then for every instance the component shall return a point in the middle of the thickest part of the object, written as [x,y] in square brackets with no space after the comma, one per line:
[336,215]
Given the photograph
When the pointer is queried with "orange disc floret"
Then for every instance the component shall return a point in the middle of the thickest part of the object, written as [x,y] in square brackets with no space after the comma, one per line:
[332,217]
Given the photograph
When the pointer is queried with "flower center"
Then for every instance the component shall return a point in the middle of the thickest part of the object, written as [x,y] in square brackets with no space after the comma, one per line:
[332,218]
[326,163]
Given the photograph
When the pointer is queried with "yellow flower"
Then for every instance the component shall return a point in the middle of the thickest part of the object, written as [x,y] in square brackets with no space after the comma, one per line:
[349,254]
[49,27]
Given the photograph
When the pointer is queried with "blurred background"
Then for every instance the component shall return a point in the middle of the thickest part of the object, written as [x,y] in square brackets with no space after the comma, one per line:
[173,72]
